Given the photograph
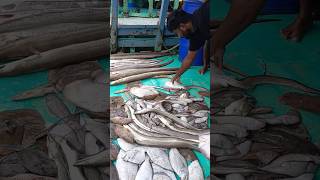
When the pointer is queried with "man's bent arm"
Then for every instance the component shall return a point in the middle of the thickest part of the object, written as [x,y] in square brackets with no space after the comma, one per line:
[241,14]
[185,64]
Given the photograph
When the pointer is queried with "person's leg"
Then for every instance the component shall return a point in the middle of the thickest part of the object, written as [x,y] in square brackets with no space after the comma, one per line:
[206,51]
[302,23]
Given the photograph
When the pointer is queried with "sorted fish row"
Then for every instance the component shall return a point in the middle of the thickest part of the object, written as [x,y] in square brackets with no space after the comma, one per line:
[249,142]
[42,35]
[126,68]
[143,162]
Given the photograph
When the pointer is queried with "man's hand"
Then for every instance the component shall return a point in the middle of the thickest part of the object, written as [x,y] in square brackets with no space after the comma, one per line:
[218,54]
[175,78]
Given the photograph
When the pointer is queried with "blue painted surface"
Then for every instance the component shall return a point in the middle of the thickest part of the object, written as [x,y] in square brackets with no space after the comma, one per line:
[183,51]
[190,7]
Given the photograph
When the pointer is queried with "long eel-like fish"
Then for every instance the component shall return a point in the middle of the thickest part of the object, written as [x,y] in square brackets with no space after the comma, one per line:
[161,142]
[253,81]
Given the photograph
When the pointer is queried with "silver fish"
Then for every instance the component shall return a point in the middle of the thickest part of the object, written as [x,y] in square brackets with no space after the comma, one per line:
[136,155]
[178,163]
[301,177]
[91,145]
[28,177]
[126,170]
[195,171]
[161,176]
[98,129]
[100,158]
[291,164]
[220,141]
[235,177]
[55,152]
[159,157]
[229,130]
[71,156]
[247,122]
[159,170]
[87,95]
[240,107]
[124,145]
[145,170]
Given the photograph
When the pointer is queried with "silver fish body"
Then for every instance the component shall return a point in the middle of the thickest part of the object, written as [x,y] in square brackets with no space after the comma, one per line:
[178,163]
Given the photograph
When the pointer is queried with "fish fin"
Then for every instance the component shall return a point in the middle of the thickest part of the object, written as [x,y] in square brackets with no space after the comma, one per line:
[264,67]
[35,92]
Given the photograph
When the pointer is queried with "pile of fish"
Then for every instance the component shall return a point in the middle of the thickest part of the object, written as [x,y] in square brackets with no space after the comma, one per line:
[250,142]
[23,151]
[76,146]
[77,143]
[143,162]
[152,121]
[38,35]
[126,68]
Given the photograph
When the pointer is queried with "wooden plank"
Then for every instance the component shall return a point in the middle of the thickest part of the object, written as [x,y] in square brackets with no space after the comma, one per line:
[145,42]
[138,31]
[114,26]
[162,20]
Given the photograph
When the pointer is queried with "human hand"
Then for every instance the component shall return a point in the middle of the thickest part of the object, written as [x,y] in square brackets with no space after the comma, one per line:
[218,54]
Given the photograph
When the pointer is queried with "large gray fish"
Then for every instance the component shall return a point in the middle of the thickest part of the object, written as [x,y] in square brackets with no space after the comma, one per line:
[58,57]
[28,176]
[301,177]
[24,20]
[248,123]
[56,153]
[159,157]
[229,130]
[28,122]
[124,145]
[195,171]
[145,171]
[136,155]
[293,164]
[235,177]
[178,163]
[159,170]
[60,77]
[38,162]
[72,157]
[126,170]
[19,44]
[71,129]
[88,95]
[99,130]
[220,141]
[161,176]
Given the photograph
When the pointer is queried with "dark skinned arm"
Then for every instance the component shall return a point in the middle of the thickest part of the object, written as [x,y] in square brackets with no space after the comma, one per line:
[185,64]
[241,14]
